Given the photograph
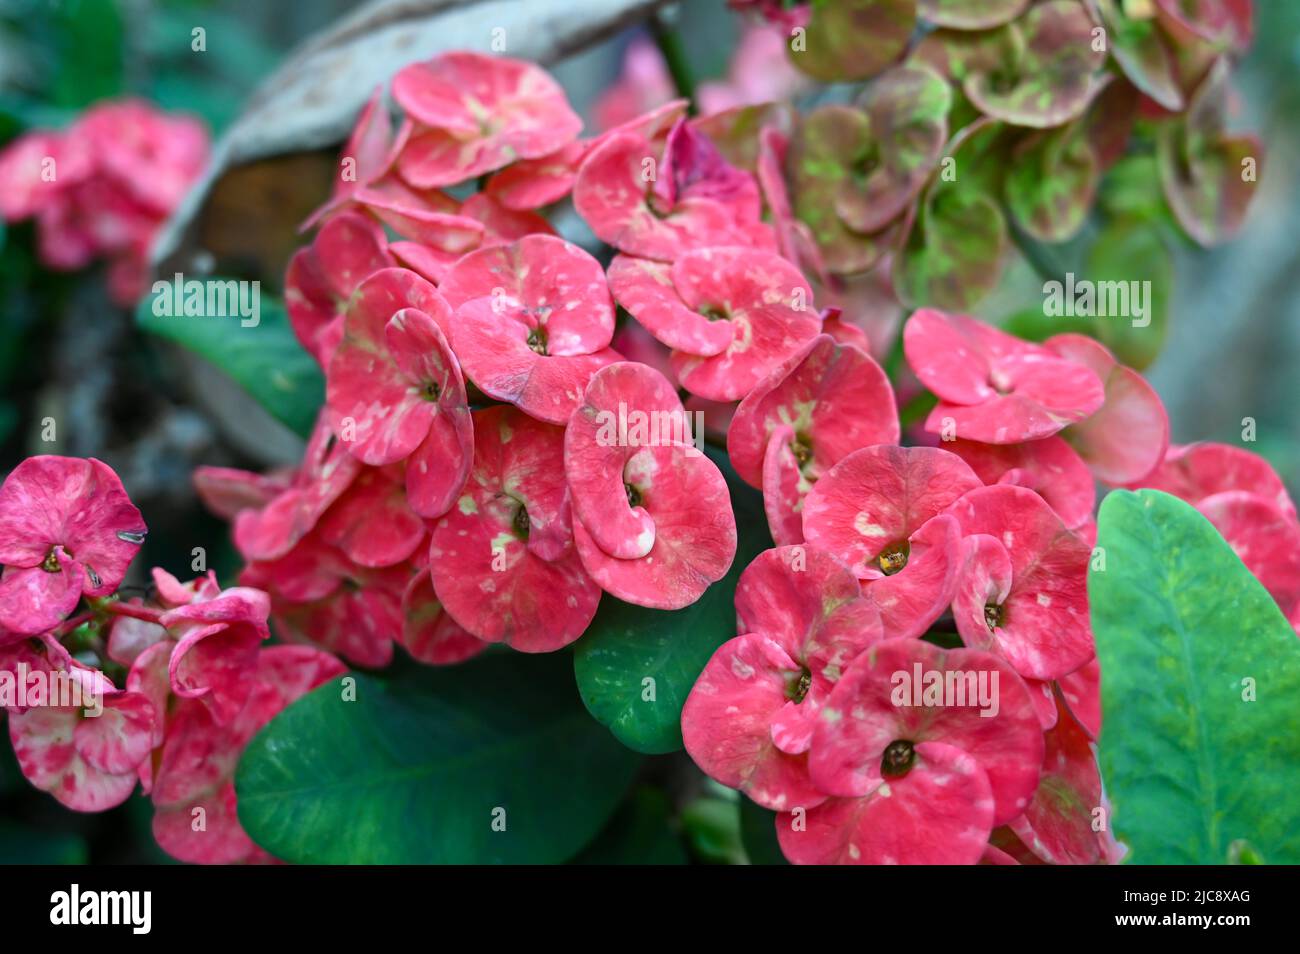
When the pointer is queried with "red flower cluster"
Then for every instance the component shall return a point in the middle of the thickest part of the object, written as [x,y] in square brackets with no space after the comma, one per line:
[472,478]
[102,187]
[164,693]
[875,745]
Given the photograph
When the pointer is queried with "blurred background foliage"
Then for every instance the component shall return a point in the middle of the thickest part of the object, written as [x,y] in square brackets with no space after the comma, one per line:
[1232,351]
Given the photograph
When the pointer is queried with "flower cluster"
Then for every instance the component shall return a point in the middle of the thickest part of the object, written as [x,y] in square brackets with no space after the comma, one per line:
[102,188]
[164,693]
[464,485]
[835,705]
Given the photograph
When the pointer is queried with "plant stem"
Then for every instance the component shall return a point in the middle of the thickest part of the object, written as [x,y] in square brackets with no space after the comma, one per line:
[133,610]
[670,46]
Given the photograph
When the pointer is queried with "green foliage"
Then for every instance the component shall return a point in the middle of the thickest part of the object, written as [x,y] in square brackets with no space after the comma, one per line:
[1200,743]
[494,761]
[265,360]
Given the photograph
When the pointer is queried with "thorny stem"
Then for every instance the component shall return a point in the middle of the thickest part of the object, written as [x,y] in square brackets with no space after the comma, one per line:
[133,610]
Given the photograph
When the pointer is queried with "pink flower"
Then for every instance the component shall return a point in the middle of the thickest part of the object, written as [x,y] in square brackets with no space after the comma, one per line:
[67,528]
[84,755]
[322,278]
[1050,467]
[643,84]
[917,783]
[103,187]
[1265,538]
[760,72]
[749,720]
[731,315]
[653,519]
[993,387]
[218,638]
[394,389]
[429,633]
[502,558]
[826,401]
[1058,822]
[882,511]
[1023,591]
[533,323]
[269,531]
[1193,472]
[1126,438]
[321,598]
[198,757]
[475,113]
[658,202]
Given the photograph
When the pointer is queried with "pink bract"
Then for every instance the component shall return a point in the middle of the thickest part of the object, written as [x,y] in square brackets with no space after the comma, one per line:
[533,323]
[1050,467]
[475,114]
[218,639]
[1193,472]
[651,204]
[429,634]
[67,528]
[87,761]
[1127,437]
[748,721]
[993,387]
[880,510]
[502,558]
[732,315]
[939,813]
[322,278]
[880,702]
[1058,822]
[654,524]
[1266,540]
[321,598]
[835,397]
[1024,589]
[327,471]
[394,390]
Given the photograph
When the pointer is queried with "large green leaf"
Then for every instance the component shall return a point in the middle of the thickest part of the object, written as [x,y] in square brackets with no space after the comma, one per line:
[635,666]
[264,359]
[418,770]
[1200,743]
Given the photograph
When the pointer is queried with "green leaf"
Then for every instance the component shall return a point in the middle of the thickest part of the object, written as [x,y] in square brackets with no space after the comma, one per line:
[712,825]
[1052,183]
[417,770]
[1185,637]
[1130,251]
[640,833]
[854,39]
[264,359]
[1053,77]
[627,645]
[89,40]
